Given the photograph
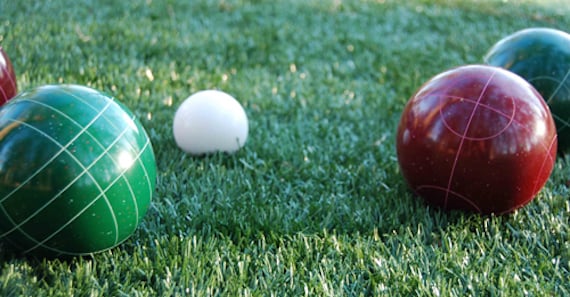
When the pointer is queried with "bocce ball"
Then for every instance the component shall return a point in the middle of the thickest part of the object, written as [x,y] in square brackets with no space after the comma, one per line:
[542,57]
[210,121]
[8,86]
[476,138]
[77,171]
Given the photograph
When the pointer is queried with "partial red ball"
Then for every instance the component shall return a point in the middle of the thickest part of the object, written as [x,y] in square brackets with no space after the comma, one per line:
[8,86]
[476,138]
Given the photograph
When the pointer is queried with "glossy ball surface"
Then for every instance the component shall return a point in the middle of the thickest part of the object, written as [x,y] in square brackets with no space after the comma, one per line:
[542,57]
[77,171]
[210,121]
[476,138]
[8,85]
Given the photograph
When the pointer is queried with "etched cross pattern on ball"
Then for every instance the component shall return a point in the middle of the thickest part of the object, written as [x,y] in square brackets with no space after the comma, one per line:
[477,104]
[105,176]
[476,138]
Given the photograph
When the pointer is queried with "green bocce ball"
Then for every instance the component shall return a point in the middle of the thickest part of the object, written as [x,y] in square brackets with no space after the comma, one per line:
[77,171]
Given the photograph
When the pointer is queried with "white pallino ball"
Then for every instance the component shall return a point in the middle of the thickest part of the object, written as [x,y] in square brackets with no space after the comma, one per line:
[210,121]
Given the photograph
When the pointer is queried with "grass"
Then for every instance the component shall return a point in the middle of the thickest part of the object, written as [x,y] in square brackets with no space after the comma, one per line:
[314,205]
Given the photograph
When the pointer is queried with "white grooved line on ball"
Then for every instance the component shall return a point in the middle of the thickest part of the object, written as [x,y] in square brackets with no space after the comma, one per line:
[62,149]
[463,137]
[560,85]
[563,121]
[85,171]
[510,117]
[101,146]
[55,156]
[146,145]
[548,156]
[112,124]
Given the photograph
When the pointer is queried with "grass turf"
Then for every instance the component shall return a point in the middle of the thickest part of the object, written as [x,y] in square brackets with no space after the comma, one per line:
[314,205]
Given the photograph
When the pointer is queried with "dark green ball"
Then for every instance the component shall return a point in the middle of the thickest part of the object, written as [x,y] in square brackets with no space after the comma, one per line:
[77,171]
[542,57]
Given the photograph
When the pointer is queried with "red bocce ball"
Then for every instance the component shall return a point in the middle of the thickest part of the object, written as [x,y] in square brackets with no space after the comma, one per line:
[8,87]
[476,138]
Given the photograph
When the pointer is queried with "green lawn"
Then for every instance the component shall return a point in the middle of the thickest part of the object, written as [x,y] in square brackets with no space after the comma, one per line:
[314,205]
